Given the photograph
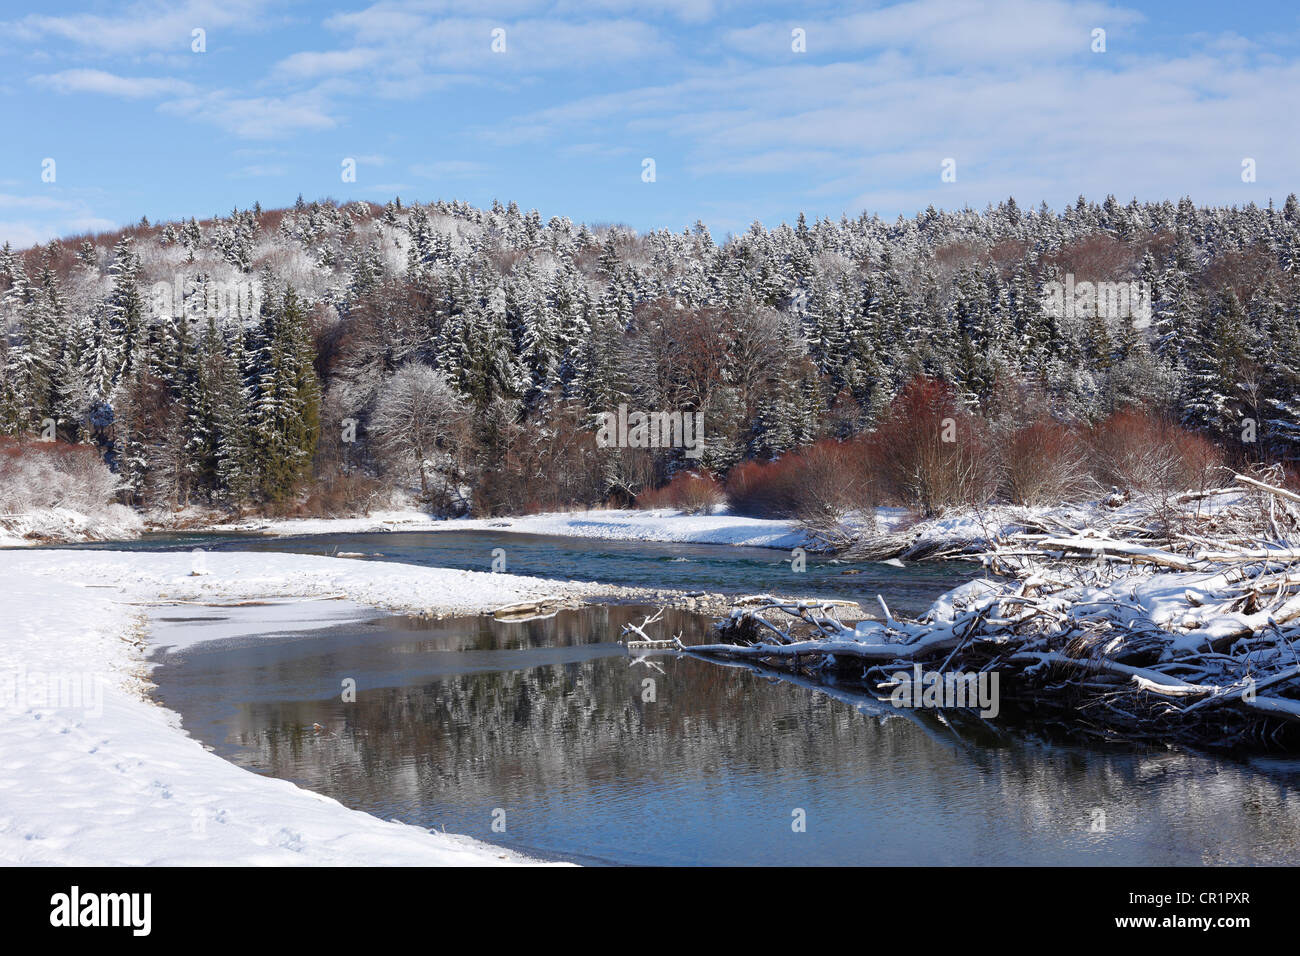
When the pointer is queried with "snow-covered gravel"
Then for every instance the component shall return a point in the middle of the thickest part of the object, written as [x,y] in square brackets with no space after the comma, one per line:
[94,773]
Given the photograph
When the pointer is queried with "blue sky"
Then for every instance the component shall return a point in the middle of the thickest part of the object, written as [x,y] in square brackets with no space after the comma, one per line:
[740,125]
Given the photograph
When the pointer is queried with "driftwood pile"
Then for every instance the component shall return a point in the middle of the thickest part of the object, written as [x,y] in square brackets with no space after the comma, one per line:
[1176,626]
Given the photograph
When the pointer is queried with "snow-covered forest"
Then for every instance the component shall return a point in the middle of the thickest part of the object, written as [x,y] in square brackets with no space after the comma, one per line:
[314,360]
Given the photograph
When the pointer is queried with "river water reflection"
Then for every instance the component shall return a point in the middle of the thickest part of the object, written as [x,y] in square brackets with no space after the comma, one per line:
[550,729]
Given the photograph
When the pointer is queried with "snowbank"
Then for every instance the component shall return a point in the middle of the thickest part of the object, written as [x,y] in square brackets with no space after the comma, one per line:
[665,525]
[46,525]
[215,575]
[96,774]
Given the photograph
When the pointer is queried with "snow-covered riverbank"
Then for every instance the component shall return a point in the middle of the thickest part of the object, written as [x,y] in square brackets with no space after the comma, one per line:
[1165,619]
[959,528]
[57,525]
[887,532]
[664,525]
[97,774]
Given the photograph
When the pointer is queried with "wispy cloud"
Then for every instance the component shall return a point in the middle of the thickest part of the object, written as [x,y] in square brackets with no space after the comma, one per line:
[875,127]
[110,84]
[146,26]
[309,65]
[10,201]
[31,219]
[954,33]
[711,89]
[256,117]
[413,44]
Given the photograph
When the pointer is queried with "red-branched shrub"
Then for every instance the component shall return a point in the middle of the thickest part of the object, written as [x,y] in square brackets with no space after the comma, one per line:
[1145,454]
[1044,463]
[823,481]
[765,489]
[838,477]
[689,491]
[652,499]
[931,453]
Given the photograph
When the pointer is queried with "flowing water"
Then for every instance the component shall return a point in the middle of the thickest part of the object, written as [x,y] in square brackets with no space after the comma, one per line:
[704,567]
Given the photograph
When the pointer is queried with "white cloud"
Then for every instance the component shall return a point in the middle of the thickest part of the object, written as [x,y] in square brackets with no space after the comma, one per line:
[257,117]
[98,81]
[40,218]
[42,203]
[414,45]
[874,130]
[309,65]
[22,235]
[1007,87]
[149,25]
[689,11]
[955,33]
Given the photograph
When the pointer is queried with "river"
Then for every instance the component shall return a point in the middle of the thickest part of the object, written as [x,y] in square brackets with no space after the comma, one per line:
[546,737]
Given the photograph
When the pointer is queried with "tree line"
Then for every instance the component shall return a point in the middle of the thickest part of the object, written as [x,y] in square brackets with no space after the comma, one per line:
[318,357]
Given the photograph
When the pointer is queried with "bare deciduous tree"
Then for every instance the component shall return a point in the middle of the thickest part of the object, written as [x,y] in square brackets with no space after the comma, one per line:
[419,426]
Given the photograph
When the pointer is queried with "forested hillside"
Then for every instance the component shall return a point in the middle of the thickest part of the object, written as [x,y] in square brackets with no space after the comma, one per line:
[315,358]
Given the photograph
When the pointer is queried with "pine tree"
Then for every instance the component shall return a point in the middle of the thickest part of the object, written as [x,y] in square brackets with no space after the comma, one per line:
[286,405]
[36,355]
[597,357]
[1217,368]
[125,335]
[1279,359]
[236,465]
[976,359]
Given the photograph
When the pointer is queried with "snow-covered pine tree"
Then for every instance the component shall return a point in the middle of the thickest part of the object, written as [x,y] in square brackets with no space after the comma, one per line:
[1218,367]
[286,401]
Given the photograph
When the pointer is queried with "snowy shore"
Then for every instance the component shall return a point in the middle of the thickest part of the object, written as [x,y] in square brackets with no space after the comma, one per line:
[1170,619]
[889,530]
[59,525]
[663,525]
[97,774]
[972,528]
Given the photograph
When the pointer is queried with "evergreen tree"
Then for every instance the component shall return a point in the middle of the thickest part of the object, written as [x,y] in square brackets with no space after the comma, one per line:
[285,422]
[1218,366]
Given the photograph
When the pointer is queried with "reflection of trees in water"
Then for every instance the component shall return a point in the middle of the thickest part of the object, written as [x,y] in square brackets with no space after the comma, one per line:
[499,738]
[571,627]
[1158,802]
[486,735]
